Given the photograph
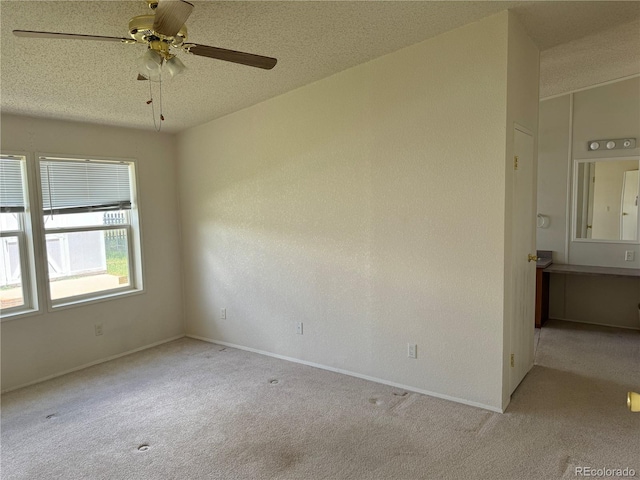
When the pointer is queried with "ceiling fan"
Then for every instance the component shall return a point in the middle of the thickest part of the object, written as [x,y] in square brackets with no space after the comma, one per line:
[161,32]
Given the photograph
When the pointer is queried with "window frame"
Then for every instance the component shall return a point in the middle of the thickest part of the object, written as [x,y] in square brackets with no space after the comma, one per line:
[33,248]
[26,248]
[133,228]
[102,293]
[25,279]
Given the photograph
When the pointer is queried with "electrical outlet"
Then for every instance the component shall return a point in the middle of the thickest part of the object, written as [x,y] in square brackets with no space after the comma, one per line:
[98,329]
[629,256]
[412,350]
[299,328]
[223,314]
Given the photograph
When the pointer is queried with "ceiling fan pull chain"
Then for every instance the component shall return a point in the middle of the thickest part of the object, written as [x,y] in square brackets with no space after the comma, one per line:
[153,108]
[161,115]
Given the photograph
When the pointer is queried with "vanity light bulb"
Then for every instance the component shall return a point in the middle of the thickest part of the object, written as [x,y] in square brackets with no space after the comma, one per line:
[627,143]
[594,145]
[611,145]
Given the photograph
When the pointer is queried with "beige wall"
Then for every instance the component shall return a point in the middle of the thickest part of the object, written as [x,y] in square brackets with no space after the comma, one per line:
[370,206]
[553,175]
[45,344]
[608,111]
[567,123]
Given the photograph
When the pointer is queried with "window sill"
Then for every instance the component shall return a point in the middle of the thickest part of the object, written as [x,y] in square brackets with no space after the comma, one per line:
[18,314]
[73,302]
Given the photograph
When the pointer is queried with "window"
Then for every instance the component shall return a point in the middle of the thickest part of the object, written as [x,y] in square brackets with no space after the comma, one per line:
[87,244]
[16,289]
[90,228]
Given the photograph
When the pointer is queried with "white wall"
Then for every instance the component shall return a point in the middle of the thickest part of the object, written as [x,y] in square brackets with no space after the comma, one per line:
[45,344]
[370,206]
[609,111]
[567,123]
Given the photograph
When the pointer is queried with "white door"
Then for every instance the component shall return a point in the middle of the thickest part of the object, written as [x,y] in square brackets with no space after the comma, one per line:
[592,180]
[629,218]
[523,271]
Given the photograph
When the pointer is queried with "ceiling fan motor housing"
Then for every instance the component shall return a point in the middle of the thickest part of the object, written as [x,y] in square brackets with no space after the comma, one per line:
[141,30]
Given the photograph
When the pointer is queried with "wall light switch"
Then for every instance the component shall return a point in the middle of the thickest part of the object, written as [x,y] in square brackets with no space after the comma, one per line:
[629,256]
[98,329]
[412,350]
[299,328]
[223,314]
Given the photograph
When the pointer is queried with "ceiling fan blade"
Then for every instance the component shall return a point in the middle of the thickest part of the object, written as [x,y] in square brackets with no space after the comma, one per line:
[232,56]
[142,77]
[170,16]
[69,36]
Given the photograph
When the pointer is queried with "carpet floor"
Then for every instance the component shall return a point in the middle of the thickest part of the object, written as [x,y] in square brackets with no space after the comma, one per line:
[194,410]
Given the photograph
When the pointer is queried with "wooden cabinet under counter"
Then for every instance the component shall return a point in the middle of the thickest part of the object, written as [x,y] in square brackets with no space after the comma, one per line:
[544,269]
[542,292]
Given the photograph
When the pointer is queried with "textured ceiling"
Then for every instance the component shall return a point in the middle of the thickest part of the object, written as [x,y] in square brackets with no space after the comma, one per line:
[95,81]
[611,54]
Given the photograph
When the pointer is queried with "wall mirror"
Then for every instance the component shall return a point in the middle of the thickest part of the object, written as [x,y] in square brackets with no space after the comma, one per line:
[605,199]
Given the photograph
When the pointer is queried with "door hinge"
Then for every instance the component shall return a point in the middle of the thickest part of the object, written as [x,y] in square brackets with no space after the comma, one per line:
[513,360]
[515,162]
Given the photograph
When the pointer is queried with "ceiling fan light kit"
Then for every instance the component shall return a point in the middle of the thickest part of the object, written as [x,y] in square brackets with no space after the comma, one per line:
[161,32]
[150,65]
[174,66]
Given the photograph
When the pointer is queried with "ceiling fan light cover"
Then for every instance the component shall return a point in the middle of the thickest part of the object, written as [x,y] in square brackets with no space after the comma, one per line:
[150,65]
[152,60]
[174,66]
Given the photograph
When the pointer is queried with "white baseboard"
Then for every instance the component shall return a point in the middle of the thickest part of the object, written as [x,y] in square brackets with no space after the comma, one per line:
[593,323]
[91,364]
[351,374]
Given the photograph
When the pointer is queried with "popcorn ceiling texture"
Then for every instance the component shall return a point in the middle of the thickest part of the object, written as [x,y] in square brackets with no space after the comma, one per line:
[604,56]
[95,81]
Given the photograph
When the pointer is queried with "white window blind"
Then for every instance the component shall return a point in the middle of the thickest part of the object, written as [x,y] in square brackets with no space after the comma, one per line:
[75,186]
[11,187]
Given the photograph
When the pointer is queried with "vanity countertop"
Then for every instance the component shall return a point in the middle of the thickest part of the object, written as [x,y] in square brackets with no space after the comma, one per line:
[544,258]
[592,270]
[543,262]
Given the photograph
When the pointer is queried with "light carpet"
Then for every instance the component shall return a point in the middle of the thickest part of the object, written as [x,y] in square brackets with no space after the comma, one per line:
[203,411]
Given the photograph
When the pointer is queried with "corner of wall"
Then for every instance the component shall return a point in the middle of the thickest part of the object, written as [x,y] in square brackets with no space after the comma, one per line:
[176,168]
[523,69]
